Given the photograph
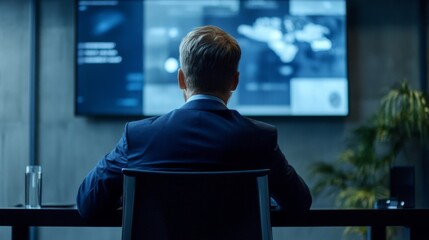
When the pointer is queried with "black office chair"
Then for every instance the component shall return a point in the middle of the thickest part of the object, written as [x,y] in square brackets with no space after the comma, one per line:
[228,205]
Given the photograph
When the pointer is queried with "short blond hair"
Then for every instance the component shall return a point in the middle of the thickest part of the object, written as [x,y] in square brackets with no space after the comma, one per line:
[209,58]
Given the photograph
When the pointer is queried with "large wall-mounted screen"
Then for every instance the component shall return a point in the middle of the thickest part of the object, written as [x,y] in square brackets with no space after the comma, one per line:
[294,55]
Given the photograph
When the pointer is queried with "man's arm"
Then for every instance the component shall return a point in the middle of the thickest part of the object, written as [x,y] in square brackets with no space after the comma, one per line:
[101,190]
[286,186]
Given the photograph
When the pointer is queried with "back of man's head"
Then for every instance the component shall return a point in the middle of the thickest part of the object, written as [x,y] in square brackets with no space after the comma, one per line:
[209,59]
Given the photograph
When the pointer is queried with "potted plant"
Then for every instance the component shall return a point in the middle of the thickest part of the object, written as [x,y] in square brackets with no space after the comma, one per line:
[360,175]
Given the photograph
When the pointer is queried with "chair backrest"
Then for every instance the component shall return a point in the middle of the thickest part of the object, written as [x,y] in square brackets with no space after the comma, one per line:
[227,205]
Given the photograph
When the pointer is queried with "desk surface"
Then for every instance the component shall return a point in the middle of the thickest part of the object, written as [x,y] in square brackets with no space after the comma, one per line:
[315,217]
[21,219]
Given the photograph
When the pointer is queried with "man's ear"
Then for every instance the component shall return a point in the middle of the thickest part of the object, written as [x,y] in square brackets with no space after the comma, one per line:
[235,80]
[181,79]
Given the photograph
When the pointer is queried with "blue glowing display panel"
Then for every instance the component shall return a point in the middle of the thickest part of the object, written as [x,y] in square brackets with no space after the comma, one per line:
[294,55]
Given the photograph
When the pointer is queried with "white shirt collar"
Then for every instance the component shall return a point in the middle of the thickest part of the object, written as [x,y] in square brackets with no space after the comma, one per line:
[206,97]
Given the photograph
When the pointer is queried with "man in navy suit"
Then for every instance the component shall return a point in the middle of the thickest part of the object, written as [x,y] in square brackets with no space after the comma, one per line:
[202,135]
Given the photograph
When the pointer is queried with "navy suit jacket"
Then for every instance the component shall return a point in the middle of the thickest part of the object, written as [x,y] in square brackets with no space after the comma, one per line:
[203,135]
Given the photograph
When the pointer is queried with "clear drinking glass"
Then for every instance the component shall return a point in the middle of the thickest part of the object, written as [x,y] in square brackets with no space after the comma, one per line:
[33,186]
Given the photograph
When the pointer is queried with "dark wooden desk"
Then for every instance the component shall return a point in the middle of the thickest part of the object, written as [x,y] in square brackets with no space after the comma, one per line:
[415,219]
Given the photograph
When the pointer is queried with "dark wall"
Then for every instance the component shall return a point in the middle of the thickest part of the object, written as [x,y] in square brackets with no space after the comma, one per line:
[384,48]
